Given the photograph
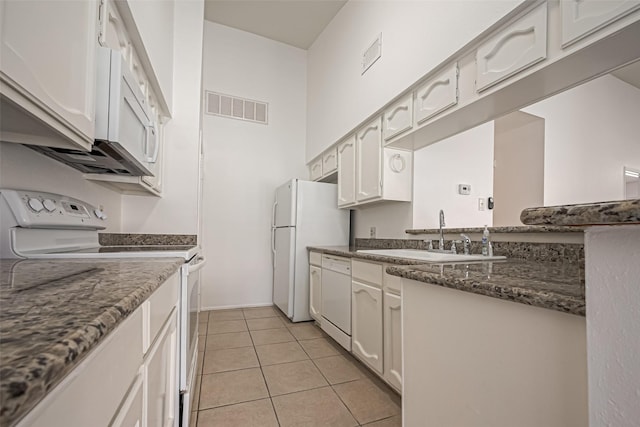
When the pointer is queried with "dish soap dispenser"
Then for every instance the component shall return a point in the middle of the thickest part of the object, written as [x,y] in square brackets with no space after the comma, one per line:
[485,241]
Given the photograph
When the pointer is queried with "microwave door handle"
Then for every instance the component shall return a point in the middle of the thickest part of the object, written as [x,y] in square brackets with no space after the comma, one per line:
[156,146]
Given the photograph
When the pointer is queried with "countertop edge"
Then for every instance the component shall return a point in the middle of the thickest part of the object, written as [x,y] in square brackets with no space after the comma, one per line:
[620,212]
[534,228]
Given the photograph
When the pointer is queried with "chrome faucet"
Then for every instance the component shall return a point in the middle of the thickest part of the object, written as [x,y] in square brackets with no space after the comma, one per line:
[466,241]
[441,247]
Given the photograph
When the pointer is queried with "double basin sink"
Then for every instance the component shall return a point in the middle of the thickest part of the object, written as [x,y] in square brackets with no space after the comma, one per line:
[429,256]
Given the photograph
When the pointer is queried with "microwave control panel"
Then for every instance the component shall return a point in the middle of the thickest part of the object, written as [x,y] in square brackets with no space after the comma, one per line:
[36,209]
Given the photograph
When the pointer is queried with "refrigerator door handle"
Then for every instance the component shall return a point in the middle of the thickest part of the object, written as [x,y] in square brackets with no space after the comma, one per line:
[273,214]
[273,246]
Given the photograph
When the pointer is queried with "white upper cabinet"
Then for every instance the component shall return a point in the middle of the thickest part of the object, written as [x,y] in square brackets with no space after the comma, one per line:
[369,161]
[47,57]
[583,17]
[315,169]
[436,94]
[347,172]
[512,49]
[330,161]
[398,118]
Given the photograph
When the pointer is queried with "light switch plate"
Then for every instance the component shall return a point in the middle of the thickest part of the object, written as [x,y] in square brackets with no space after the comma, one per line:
[481,204]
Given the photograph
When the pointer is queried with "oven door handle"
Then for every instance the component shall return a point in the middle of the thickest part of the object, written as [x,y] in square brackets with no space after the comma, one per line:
[195,267]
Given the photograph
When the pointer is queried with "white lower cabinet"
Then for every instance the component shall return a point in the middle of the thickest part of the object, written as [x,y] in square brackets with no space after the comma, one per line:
[315,292]
[160,379]
[132,412]
[366,324]
[393,339]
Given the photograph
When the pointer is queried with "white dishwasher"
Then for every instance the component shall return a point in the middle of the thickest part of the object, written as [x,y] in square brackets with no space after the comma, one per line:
[336,299]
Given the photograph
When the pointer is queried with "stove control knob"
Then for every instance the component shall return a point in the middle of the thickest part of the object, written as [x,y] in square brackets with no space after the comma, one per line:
[100,214]
[49,205]
[35,204]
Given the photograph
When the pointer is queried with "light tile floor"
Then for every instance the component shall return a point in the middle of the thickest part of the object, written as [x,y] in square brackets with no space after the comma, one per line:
[256,368]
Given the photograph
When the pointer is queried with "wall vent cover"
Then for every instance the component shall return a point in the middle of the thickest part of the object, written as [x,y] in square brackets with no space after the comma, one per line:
[372,54]
[219,104]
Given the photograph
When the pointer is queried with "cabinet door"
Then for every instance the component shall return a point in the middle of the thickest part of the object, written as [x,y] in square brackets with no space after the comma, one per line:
[398,118]
[48,57]
[132,411]
[369,161]
[315,170]
[315,292]
[393,340]
[329,161]
[581,18]
[513,49]
[366,324]
[436,94]
[161,387]
[347,172]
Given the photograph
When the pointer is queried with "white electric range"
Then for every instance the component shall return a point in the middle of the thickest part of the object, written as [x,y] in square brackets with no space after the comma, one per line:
[39,225]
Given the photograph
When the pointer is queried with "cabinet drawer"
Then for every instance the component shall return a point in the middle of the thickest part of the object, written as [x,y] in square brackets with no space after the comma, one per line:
[315,258]
[398,118]
[367,271]
[159,307]
[513,49]
[436,94]
[315,169]
[330,161]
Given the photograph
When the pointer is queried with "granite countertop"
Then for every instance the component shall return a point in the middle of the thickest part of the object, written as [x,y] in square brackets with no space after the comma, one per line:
[552,285]
[54,312]
[602,213]
[505,229]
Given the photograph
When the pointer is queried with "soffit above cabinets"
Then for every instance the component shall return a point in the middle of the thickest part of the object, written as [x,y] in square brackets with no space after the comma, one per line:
[294,22]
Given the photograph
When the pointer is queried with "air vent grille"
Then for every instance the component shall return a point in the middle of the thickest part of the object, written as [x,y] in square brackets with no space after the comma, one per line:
[219,104]
[372,54]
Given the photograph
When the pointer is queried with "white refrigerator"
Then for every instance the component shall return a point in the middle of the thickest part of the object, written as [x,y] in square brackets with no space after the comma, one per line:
[305,213]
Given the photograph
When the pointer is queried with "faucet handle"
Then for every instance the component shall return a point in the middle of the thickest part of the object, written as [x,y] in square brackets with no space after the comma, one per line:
[453,246]
[430,246]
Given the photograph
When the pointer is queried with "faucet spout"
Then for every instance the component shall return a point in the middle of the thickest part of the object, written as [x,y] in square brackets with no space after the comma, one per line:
[442,224]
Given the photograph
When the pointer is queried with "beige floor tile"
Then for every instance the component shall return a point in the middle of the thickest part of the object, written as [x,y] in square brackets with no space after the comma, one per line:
[366,401]
[202,342]
[319,347]
[291,377]
[235,314]
[258,413]
[202,328]
[227,388]
[229,340]
[203,317]
[199,362]
[271,336]
[271,354]
[319,407]
[226,326]
[229,359]
[388,422]
[193,419]
[338,369]
[264,323]
[260,312]
[306,331]
[195,398]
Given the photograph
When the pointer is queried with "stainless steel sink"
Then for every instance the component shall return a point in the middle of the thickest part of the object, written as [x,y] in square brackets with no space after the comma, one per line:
[428,256]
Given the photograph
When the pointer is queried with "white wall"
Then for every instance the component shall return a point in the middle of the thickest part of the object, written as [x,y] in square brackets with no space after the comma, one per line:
[591,133]
[416,37]
[245,162]
[390,220]
[177,211]
[613,329]
[466,158]
[23,168]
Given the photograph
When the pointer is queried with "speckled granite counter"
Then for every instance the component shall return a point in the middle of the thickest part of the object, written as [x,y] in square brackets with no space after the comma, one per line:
[128,239]
[554,285]
[54,312]
[603,213]
[510,229]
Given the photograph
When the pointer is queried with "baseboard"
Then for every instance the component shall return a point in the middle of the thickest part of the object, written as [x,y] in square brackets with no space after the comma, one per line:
[229,307]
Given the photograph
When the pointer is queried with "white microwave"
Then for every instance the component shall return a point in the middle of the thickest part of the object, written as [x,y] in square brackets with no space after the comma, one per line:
[123,118]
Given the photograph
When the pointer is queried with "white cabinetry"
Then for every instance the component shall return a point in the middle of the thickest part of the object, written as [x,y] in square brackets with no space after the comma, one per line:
[47,78]
[436,94]
[392,317]
[347,172]
[366,312]
[315,286]
[330,161]
[315,169]
[513,49]
[117,383]
[398,118]
[581,18]
[369,161]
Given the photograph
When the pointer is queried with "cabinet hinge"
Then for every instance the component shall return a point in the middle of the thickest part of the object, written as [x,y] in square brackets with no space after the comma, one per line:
[102,22]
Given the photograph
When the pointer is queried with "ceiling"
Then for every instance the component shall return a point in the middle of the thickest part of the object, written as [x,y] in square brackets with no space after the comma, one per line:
[294,22]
